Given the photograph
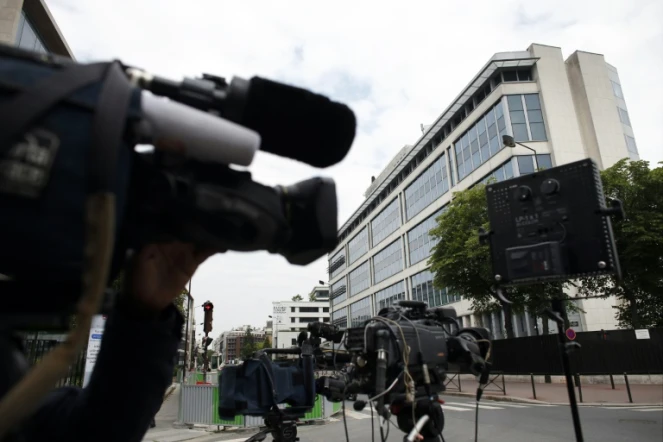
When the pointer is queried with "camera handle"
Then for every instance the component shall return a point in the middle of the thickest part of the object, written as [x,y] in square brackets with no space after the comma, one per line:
[557,313]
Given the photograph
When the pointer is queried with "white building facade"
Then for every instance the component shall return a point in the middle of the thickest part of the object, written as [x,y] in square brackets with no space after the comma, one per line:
[565,110]
[289,318]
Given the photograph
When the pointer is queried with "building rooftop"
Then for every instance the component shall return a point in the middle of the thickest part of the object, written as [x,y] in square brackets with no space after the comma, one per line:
[498,61]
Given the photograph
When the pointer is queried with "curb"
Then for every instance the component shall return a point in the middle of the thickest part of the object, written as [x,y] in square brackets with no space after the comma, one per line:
[533,401]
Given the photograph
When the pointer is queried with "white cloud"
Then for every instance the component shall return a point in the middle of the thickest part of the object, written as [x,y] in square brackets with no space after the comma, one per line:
[397,66]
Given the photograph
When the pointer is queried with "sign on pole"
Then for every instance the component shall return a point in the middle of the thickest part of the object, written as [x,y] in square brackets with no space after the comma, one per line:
[571,334]
[93,345]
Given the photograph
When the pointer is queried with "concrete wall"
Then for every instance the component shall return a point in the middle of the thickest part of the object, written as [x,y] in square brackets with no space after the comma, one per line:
[10,12]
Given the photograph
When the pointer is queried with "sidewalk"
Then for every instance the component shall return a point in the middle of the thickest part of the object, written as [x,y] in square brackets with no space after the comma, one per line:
[592,394]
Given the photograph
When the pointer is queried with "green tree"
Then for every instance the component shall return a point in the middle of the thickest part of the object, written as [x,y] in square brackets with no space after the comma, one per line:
[297,298]
[462,265]
[266,343]
[312,297]
[248,346]
[639,239]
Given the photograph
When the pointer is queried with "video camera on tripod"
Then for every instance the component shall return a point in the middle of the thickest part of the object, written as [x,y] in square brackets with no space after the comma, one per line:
[400,358]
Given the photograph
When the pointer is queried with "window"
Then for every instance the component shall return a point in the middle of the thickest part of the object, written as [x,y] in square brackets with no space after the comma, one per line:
[292,319]
[360,311]
[294,341]
[423,290]
[308,309]
[389,296]
[419,241]
[623,116]
[340,318]
[360,279]
[387,262]
[27,37]
[535,117]
[543,162]
[481,141]
[325,309]
[632,148]
[338,292]
[358,246]
[292,309]
[526,117]
[500,173]
[525,164]
[428,187]
[337,264]
[307,320]
[386,222]
[617,90]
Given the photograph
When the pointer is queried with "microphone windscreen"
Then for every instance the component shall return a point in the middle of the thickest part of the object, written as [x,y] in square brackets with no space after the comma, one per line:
[298,124]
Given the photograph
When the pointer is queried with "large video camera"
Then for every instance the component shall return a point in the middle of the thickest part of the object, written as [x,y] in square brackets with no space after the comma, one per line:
[400,357]
[71,130]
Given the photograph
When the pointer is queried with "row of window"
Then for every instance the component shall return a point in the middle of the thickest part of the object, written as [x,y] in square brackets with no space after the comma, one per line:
[389,261]
[508,75]
[307,320]
[472,149]
[27,37]
[421,290]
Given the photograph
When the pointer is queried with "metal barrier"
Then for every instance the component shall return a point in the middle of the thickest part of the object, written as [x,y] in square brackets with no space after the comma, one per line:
[199,404]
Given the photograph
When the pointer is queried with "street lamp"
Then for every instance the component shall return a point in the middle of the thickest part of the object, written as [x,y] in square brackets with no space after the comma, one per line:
[508,141]
[322,282]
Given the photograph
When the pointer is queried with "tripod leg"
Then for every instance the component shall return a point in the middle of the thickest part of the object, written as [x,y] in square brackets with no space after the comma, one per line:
[558,308]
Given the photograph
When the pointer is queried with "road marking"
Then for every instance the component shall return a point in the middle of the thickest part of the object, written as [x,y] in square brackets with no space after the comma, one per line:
[451,407]
[643,408]
[356,415]
[513,405]
[483,407]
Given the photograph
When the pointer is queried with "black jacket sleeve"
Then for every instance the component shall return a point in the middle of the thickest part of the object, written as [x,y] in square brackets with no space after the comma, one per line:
[133,370]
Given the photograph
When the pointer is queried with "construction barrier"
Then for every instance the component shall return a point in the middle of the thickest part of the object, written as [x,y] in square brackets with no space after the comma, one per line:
[199,405]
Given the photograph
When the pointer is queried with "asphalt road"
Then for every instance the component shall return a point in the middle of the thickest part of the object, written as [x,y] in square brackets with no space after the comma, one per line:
[498,422]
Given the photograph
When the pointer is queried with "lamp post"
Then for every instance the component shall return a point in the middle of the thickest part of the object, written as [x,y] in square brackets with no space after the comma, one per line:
[508,141]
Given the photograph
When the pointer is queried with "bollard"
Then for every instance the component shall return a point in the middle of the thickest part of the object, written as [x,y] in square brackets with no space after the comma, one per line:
[628,388]
[579,386]
[533,387]
[503,386]
[612,382]
[459,389]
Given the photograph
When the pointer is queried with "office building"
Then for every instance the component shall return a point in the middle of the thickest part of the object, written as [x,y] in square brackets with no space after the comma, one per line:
[292,317]
[29,24]
[232,341]
[565,110]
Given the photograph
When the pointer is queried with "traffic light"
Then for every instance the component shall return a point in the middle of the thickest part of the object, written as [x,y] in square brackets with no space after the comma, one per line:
[207,342]
[208,307]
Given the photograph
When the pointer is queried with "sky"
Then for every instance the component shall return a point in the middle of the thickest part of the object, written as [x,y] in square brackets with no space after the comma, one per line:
[396,66]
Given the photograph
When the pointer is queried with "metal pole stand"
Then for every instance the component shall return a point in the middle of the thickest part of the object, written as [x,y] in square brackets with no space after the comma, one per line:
[557,313]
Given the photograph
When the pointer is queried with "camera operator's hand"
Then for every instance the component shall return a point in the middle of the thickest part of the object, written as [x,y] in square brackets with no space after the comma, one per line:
[156,275]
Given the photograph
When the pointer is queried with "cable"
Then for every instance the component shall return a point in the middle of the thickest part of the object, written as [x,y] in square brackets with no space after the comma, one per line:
[345,421]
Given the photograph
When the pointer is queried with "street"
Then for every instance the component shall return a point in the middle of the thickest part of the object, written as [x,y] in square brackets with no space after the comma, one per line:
[498,422]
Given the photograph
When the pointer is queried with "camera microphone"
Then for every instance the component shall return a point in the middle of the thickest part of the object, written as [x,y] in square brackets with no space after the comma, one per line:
[292,121]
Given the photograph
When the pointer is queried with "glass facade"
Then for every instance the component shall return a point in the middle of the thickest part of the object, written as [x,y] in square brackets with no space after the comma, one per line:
[623,116]
[419,241]
[358,246]
[388,261]
[338,292]
[27,37]
[389,296]
[632,148]
[423,290]
[337,264]
[617,90]
[429,186]
[526,163]
[481,141]
[360,311]
[360,279]
[526,117]
[340,318]
[500,173]
[386,222]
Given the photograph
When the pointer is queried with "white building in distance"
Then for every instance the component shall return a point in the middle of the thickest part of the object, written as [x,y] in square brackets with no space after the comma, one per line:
[289,318]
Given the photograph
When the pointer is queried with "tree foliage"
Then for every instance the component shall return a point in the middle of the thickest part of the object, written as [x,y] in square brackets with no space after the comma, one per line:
[266,343]
[297,298]
[639,239]
[249,345]
[462,265]
[312,297]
